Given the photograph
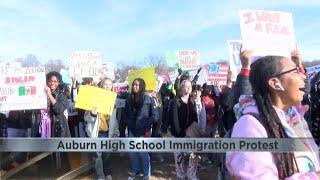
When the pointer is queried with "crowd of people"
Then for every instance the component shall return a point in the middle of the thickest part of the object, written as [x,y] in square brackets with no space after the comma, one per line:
[270,99]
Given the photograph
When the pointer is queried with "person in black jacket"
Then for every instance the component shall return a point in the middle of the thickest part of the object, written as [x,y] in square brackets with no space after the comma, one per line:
[57,105]
[315,107]
[182,113]
[140,114]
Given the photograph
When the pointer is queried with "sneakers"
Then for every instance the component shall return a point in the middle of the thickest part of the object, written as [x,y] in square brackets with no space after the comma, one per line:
[132,176]
[109,177]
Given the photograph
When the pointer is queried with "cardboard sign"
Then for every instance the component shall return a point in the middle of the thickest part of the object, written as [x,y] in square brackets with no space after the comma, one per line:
[234,57]
[23,90]
[217,73]
[188,59]
[147,74]
[267,32]
[90,97]
[85,64]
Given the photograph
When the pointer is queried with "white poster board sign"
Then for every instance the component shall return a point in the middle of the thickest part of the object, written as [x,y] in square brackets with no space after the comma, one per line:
[234,57]
[188,59]
[107,71]
[267,32]
[85,64]
[23,90]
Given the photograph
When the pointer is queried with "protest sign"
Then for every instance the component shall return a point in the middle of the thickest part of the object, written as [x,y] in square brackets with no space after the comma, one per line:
[23,90]
[267,32]
[202,76]
[90,97]
[217,73]
[147,74]
[234,57]
[312,71]
[120,87]
[9,67]
[85,64]
[173,75]
[188,59]
[107,71]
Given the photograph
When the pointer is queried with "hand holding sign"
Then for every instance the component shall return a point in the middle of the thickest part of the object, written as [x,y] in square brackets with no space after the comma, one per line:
[245,57]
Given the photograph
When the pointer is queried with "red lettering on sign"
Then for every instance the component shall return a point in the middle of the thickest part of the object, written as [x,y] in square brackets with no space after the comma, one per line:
[3,98]
[258,27]
[248,17]
[19,80]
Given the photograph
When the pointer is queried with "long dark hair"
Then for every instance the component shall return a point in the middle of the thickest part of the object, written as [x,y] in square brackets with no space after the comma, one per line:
[137,99]
[261,71]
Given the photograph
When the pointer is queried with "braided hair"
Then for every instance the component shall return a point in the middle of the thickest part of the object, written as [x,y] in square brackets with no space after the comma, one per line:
[261,71]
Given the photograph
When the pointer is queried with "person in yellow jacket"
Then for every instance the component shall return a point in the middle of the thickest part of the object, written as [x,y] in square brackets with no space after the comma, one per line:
[102,125]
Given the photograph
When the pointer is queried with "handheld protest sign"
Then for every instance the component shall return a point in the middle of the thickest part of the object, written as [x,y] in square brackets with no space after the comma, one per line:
[90,97]
[267,32]
[23,89]
[85,64]
[147,74]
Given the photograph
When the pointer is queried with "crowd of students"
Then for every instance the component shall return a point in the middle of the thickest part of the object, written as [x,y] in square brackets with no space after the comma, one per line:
[265,101]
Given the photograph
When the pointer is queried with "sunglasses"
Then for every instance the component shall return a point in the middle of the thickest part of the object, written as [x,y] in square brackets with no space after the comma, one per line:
[297,69]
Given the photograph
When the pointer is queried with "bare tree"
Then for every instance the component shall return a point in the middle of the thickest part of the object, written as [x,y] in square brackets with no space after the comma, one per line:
[158,62]
[54,65]
[29,61]
[121,72]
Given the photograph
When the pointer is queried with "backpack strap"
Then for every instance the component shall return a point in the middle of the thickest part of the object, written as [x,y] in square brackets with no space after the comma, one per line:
[255,115]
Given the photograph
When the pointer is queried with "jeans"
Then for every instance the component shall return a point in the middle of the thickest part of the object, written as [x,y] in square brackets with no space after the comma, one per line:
[101,163]
[145,162]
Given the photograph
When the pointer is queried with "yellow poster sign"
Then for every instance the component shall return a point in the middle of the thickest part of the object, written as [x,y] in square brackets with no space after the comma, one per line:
[90,97]
[147,74]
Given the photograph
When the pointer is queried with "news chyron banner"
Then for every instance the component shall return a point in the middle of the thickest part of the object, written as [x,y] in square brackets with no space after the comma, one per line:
[22,88]
[200,145]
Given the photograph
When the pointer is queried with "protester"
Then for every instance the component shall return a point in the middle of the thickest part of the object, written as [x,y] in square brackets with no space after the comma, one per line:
[210,109]
[278,85]
[201,111]
[182,114]
[140,113]
[102,125]
[315,107]
[18,123]
[54,119]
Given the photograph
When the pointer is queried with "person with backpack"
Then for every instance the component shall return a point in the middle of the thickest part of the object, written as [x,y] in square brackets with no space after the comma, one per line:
[140,114]
[278,86]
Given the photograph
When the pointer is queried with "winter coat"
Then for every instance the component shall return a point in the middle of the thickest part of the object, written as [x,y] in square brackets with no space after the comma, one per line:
[315,107]
[177,123]
[141,122]
[58,111]
[92,124]
[250,165]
